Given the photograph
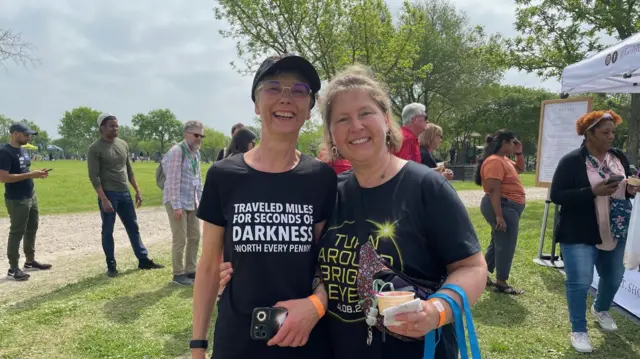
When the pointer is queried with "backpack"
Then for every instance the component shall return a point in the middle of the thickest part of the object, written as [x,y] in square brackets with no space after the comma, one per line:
[160,176]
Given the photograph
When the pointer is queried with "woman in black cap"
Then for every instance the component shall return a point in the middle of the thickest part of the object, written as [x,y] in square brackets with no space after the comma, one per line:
[266,207]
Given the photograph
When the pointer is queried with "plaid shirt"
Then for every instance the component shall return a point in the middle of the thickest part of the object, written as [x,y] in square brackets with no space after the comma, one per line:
[182,188]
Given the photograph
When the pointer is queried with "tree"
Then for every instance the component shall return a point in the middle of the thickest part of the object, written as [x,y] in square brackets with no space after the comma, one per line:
[310,137]
[212,144]
[14,48]
[158,125]
[129,135]
[79,128]
[5,123]
[558,33]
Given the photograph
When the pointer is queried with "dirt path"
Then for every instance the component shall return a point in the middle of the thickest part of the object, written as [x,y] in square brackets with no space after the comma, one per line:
[71,242]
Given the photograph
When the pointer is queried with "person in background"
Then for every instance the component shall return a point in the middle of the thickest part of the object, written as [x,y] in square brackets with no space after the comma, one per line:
[502,204]
[242,141]
[452,155]
[338,164]
[268,207]
[430,140]
[21,201]
[181,195]
[110,172]
[223,152]
[414,122]
[594,221]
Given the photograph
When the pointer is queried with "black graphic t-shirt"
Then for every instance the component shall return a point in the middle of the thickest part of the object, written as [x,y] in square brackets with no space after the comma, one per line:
[419,225]
[269,223]
[16,161]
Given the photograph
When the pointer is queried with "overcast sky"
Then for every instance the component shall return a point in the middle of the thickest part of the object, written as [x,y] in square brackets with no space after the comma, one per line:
[126,57]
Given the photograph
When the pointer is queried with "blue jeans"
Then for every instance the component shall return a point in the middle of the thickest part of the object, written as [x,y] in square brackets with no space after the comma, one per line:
[579,260]
[122,204]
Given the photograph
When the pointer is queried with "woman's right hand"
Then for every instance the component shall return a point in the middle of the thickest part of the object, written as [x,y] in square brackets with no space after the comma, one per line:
[604,189]
[225,273]
[501,224]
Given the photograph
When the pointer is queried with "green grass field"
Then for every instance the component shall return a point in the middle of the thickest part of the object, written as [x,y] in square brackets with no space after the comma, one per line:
[68,190]
[138,315]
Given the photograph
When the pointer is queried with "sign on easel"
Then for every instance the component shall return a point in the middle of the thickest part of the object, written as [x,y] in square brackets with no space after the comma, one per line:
[557,137]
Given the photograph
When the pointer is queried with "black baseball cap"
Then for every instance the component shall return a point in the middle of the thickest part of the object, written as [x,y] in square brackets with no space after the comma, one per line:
[287,62]
[21,127]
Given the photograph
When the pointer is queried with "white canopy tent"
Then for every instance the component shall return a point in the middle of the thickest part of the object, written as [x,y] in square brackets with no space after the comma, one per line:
[613,70]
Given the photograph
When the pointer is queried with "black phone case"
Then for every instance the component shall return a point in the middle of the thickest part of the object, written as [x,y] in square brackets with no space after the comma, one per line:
[615,179]
[265,322]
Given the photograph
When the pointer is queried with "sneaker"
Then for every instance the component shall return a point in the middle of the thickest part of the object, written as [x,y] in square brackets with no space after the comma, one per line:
[605,320]
[17,274]
[581,343]
[149,264]
[191,275]
[34,266]
[182,280]
[112,272]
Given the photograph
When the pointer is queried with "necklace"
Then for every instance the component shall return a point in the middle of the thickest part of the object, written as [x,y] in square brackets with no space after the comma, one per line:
[386,168]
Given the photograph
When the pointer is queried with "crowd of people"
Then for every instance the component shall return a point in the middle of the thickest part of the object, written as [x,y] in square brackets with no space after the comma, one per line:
[283,229]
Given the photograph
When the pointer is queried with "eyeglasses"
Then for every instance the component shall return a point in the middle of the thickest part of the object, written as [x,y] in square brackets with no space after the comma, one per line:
[274,89]
[197,135]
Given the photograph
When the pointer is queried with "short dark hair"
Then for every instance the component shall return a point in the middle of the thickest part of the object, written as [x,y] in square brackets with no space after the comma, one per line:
[235,127]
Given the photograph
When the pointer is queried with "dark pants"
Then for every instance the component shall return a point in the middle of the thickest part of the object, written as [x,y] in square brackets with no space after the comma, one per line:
[23,214]
[122,204]
[502,248]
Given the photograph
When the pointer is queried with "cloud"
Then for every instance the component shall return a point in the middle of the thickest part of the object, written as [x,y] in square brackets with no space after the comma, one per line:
[127,57]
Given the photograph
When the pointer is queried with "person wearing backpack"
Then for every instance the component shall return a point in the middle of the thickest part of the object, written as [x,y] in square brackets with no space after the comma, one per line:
[181,194]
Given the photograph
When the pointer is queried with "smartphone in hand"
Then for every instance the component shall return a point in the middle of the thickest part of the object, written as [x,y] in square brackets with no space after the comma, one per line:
[614,179]
[265,322]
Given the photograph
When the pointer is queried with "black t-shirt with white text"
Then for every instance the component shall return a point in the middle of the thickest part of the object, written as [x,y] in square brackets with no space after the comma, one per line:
[269,223]
[16,161]
[419,225]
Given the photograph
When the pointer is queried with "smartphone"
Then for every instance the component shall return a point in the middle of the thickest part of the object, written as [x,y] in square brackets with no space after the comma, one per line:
[265,322]
[614,179]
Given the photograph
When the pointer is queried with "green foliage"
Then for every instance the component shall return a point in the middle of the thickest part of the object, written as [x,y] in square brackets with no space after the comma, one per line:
[213,142]
[158,125]
[310,138]
[42,139]
[79,128]
[558,33]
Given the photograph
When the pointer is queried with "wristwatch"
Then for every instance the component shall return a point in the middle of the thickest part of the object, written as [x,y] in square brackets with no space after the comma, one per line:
[198,344]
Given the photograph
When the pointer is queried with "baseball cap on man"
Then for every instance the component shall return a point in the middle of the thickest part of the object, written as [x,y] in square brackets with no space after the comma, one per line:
[283,63]
[21,127]
[105,116]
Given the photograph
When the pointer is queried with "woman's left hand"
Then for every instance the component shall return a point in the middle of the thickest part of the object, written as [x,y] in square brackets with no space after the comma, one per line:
[417,324]
[632,190]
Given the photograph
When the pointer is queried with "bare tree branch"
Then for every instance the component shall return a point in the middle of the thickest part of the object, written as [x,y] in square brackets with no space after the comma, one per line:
[14,48]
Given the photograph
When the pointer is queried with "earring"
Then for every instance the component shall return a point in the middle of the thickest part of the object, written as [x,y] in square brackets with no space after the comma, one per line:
[335,152]
[388,141]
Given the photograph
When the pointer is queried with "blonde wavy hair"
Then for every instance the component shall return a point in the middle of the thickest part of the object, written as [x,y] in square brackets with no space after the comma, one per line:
[429,135]
[358,77]
[593,118]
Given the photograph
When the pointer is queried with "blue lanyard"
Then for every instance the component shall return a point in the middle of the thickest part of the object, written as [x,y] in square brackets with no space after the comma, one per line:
[430,338]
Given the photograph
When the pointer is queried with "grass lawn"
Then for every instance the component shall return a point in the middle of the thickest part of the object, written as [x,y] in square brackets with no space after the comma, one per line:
[68,190]
[138,315]
[528,180]
[71,179]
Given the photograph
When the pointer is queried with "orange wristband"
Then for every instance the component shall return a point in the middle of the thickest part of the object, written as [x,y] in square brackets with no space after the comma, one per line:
[441,311]
[318,304]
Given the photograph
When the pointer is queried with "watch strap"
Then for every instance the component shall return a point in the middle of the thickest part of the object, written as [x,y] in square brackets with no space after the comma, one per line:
[198,344]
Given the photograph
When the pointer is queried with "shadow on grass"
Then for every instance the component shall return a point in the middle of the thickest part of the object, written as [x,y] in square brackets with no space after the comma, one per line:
[500,310]
[553,280]
[127,309]
[65,292]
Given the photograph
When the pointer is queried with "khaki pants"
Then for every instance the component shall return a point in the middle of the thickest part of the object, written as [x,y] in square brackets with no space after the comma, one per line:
[186,233]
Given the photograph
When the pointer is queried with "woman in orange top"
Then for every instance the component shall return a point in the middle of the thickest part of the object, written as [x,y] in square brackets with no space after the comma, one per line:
[503,203]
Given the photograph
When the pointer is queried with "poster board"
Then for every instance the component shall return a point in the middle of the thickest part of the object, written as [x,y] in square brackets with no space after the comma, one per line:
[557,134]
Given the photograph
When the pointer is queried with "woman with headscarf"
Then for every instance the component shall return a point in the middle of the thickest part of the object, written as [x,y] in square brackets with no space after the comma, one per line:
[590,186]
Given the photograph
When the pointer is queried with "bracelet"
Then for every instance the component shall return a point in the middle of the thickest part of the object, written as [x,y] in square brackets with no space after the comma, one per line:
[518,154]
[318,304]
[441,311]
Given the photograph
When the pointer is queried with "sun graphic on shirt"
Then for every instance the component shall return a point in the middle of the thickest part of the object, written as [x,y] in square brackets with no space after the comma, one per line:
[385,230]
